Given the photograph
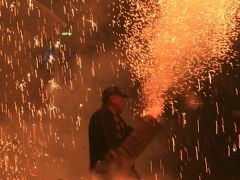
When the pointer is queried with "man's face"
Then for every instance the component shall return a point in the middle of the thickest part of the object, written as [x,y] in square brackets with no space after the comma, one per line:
[118,103]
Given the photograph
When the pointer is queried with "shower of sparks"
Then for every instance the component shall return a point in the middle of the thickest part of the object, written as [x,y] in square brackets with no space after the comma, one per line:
[167,41]
[50,77]
[36,63]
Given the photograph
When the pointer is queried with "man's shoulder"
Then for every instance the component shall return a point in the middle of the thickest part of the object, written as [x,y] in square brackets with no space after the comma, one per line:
[101,113]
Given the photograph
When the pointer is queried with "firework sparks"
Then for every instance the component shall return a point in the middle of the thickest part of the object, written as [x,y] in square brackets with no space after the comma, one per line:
[168,41]
[43,52]
[30,78]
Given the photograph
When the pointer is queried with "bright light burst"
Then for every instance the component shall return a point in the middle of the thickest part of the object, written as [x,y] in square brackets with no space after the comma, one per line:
[170,40]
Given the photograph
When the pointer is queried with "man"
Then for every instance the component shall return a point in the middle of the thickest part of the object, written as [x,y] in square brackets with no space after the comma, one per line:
[107,130]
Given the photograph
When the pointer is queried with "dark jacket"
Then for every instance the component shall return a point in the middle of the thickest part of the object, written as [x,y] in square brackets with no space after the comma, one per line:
[103,134]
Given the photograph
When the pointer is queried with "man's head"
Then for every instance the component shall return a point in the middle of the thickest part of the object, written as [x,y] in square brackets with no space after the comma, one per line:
[114,98]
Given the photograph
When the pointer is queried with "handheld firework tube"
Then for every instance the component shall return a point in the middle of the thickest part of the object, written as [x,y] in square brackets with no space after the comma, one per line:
[139,139]
[121,158]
